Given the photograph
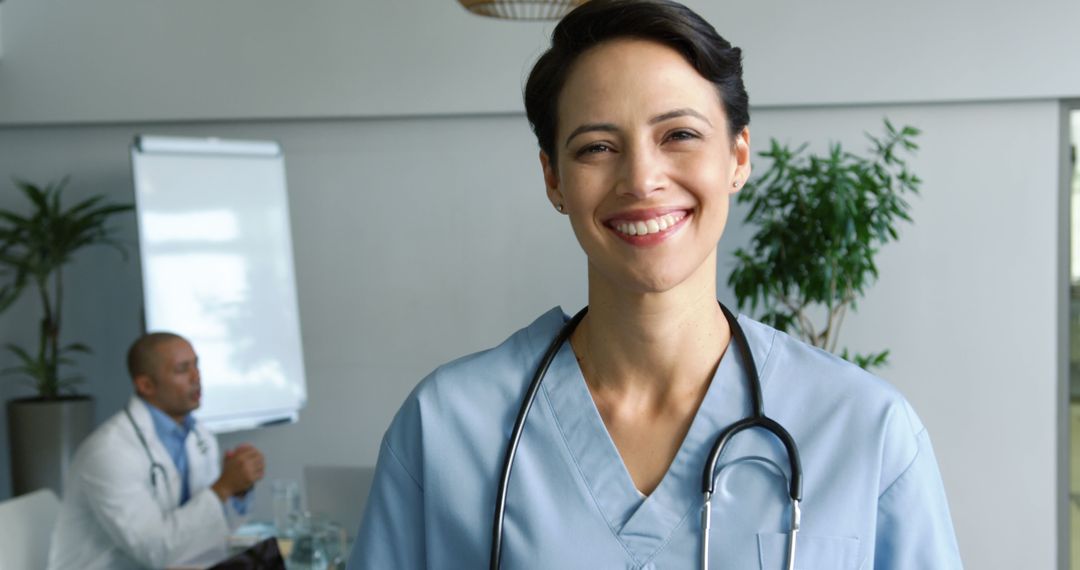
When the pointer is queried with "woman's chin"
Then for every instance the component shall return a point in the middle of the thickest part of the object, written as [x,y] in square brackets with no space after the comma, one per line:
[645,282]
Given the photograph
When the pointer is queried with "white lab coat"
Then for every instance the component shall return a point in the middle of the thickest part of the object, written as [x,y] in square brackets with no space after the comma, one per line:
[114,517]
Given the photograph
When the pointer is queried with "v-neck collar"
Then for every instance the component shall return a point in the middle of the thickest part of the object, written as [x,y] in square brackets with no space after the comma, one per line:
[643,524]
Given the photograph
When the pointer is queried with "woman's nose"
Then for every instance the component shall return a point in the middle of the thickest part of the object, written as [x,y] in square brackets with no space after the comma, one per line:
[642,172]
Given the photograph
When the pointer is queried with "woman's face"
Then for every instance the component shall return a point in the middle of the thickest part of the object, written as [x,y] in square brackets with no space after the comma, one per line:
[645,164]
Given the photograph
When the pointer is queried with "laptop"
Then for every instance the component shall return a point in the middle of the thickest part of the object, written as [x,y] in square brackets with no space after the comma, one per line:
[338,492]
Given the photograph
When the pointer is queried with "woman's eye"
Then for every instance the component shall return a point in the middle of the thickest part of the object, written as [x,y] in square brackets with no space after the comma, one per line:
[595,148]
[682,135]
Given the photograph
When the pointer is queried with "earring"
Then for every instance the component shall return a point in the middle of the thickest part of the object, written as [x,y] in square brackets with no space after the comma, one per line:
[560,208]
[734,183]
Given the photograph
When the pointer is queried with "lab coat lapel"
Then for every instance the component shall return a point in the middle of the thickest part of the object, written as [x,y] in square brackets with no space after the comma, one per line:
[203,466]
[171,490]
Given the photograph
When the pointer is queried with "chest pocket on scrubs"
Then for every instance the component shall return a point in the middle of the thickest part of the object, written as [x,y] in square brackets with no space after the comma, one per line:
[811,552]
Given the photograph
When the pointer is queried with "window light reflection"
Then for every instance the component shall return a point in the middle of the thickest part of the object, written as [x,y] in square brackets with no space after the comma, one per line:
[209,226]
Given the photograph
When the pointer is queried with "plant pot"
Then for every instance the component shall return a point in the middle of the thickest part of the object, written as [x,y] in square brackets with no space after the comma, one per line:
[44,434]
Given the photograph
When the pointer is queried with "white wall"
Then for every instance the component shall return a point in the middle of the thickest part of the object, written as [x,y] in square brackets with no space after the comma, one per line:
[404,252]
[114,60]
[968,304]
[420,240]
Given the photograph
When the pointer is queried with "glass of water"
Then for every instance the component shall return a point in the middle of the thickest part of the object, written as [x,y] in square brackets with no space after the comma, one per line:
[286,497]
[312,545]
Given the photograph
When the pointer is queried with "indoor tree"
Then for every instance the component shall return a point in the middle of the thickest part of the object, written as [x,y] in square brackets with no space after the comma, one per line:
[34,248]
[821,220]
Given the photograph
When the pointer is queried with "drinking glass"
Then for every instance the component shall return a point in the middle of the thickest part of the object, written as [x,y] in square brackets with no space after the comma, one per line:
[286,496]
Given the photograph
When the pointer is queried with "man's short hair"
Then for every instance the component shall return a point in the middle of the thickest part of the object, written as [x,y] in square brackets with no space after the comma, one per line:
[142,357]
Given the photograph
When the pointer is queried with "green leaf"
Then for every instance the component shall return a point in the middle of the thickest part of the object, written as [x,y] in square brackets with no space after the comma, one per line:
[34,248]
[20,352]
[867,361]
[819,222]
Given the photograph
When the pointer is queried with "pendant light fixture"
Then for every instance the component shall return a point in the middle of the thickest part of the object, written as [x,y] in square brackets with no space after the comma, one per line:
[521,9]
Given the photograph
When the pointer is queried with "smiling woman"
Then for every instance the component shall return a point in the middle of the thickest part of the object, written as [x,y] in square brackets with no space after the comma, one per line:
[632,425]
[640,154]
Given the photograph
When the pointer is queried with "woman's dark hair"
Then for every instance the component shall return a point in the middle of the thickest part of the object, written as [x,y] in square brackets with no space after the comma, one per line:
[662,21]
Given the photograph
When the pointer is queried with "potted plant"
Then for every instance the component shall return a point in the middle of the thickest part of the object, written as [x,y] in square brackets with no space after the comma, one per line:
[821,220]
[44,429]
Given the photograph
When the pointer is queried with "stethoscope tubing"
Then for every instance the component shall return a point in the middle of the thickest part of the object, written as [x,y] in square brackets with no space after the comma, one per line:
[155,465]
[515,435]
[756,419]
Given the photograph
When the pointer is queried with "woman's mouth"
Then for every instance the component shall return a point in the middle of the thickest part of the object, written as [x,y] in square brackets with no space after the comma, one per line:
[648,228]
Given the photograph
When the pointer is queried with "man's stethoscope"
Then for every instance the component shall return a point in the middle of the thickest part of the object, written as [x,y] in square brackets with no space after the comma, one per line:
[156,467]
[756,419]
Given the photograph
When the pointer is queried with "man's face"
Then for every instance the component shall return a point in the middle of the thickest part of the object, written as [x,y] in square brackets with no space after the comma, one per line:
[174,387]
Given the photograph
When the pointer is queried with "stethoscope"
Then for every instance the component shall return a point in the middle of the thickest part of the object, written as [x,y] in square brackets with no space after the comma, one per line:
[155,466]
[756,419]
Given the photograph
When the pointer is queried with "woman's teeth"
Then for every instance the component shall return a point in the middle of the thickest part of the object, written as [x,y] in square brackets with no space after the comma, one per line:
[644,227]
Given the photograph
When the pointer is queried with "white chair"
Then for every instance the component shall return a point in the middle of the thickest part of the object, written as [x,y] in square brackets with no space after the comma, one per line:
[26,525]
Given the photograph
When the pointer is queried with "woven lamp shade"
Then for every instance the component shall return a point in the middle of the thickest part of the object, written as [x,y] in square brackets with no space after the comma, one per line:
[521,9]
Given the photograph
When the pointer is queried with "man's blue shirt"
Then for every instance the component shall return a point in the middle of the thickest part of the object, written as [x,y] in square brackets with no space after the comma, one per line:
[173,436]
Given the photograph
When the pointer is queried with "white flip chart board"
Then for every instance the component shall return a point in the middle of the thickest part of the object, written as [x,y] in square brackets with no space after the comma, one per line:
[217,268]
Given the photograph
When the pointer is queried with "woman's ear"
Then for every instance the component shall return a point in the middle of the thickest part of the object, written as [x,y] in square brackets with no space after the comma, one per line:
[740,151]
[551,181]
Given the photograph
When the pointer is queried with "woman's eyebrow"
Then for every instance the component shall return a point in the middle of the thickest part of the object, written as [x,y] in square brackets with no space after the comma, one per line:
[591,127]
[684,112]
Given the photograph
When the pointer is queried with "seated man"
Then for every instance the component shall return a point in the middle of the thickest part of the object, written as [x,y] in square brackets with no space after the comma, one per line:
[147,488]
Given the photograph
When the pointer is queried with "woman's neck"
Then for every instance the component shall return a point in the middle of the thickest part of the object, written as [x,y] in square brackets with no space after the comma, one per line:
[652,347]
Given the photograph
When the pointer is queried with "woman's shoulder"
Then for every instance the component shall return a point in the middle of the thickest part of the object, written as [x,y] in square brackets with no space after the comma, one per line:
[822,388]
[783,358]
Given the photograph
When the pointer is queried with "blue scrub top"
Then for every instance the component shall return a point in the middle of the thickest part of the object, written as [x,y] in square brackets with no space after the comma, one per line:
[872,493]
